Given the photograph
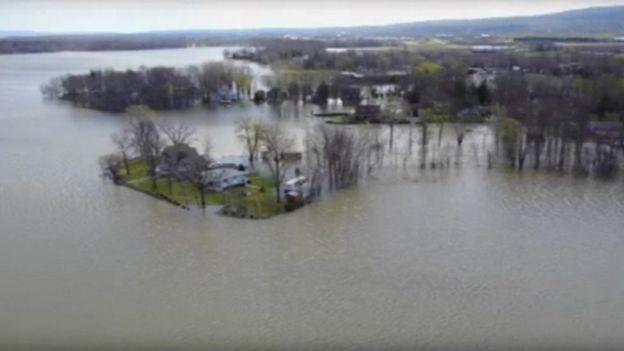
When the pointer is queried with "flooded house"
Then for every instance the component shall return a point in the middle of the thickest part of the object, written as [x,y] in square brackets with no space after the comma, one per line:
[176,159]
[228,172]
[235,162]
[223,96]
[297,191]
[474,114]
[224,179]
[475,76]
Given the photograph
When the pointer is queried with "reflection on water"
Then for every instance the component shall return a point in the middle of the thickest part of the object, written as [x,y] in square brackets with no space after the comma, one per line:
[459,256]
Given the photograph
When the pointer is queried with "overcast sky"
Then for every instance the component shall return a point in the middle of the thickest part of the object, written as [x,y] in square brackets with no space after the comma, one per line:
[148,15]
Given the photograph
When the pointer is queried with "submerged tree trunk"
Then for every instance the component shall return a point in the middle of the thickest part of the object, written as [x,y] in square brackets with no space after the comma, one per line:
[410,142]
[251,161]
[538,145]
[423,147]
[391,135]
[202,196]
[125,162]
[154,184]
[522,151]
[579,168]
[562,154]
[549,148]
[460,135]
[277,180]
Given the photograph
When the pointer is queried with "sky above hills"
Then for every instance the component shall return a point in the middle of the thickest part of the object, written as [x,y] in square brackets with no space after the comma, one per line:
[151,15]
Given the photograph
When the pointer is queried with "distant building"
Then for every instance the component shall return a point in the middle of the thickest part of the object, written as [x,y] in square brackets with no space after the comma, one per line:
[610,132]
[375,76]
[490,48]
[569,68]
[476,114]
[351,74]
[475,76]
[224,96]
[351,95]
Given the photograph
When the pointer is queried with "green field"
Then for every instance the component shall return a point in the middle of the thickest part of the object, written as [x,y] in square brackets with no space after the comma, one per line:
[256,200]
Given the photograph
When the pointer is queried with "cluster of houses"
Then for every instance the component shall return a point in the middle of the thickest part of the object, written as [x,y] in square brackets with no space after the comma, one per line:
[225,173]
[224,96]
[178,160]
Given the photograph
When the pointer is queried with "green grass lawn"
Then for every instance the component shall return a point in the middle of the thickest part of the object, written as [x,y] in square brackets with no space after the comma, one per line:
[256,200]
[182,192]
[137,168]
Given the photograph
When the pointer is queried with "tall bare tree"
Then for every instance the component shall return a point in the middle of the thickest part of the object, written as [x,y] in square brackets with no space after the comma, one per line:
[278,144]
[344,153]
[109,164]
[249,133]
[148,144]
[393,111]
[123,142]
[198,175]
[177,133]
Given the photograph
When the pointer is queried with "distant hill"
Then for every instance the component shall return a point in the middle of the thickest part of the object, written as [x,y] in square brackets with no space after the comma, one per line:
[595,20]
[16,33]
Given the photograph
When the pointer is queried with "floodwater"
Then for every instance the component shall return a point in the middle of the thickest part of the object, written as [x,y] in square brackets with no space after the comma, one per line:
[460,257]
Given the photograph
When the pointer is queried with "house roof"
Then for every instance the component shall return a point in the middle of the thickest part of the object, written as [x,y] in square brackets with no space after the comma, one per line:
[179,151]
[606,126]
[607,130]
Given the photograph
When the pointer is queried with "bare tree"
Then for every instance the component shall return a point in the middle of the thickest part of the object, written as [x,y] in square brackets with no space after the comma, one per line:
[196,171]
[315,170]
[278,144]
[123,142]
[424,143]
[53,89]
[393,111]
[460,132]
[110,164]
[249,133]
[148,144]
[177,133]
[198,175]
[344,153]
